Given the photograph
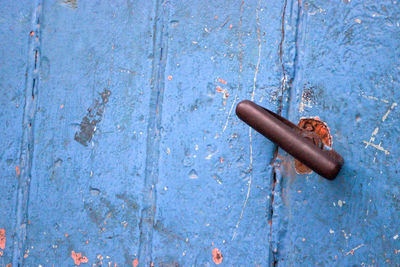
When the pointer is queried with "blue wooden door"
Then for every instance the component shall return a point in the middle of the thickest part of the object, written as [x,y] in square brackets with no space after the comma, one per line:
[120,145]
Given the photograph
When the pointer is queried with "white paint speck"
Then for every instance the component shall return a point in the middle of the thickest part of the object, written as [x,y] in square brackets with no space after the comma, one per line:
[340,203]
[357,21]
[165,188]
[331,231]
[395,237]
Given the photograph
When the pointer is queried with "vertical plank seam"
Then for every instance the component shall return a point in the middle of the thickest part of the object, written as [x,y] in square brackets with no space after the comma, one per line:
[288,94]
[157,85]
[28,126]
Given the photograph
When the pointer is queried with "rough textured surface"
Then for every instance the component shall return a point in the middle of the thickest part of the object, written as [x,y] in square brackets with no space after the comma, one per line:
[120,144]
[347,73]
[15,24]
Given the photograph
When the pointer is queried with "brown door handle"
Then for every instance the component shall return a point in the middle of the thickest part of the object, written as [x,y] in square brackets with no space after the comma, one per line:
[297,142]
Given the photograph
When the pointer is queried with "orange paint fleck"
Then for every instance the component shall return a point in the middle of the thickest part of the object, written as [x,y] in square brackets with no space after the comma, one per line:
[66,235]
[219,89]
[61,106]
[9,265]
[78,258]
[32,33]
[87,242]
[169,77]
[17,169]
[151,264]
[270,222]
[212,243]
[221,160]
[230,26]
[222,81]
[1,253]
[217,256]
[26,255]
[215,17]
[135,262]
[2,238]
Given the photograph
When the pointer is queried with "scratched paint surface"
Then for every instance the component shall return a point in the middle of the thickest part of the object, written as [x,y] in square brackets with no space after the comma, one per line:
[13,65]
[120,144]
[347,73]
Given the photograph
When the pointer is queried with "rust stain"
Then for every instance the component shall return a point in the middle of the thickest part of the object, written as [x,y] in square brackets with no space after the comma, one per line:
[18,171]
[217,256]
[78,258]
[2,238]
[135,262]
[222,81]
[318,127]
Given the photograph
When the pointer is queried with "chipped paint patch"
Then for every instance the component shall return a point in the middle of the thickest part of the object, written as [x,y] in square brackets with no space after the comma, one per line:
[135,262]
[70,3]
[17,170]
[320,132]
[78,258]
[354,249]
[379,147]
[222,81]
[93,117]
[217,256]
[2,238]
[308,96]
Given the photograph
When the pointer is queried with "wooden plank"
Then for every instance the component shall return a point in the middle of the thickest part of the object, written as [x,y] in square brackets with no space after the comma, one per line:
[214,176]
[346,74]
[15,37]
[91,128]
